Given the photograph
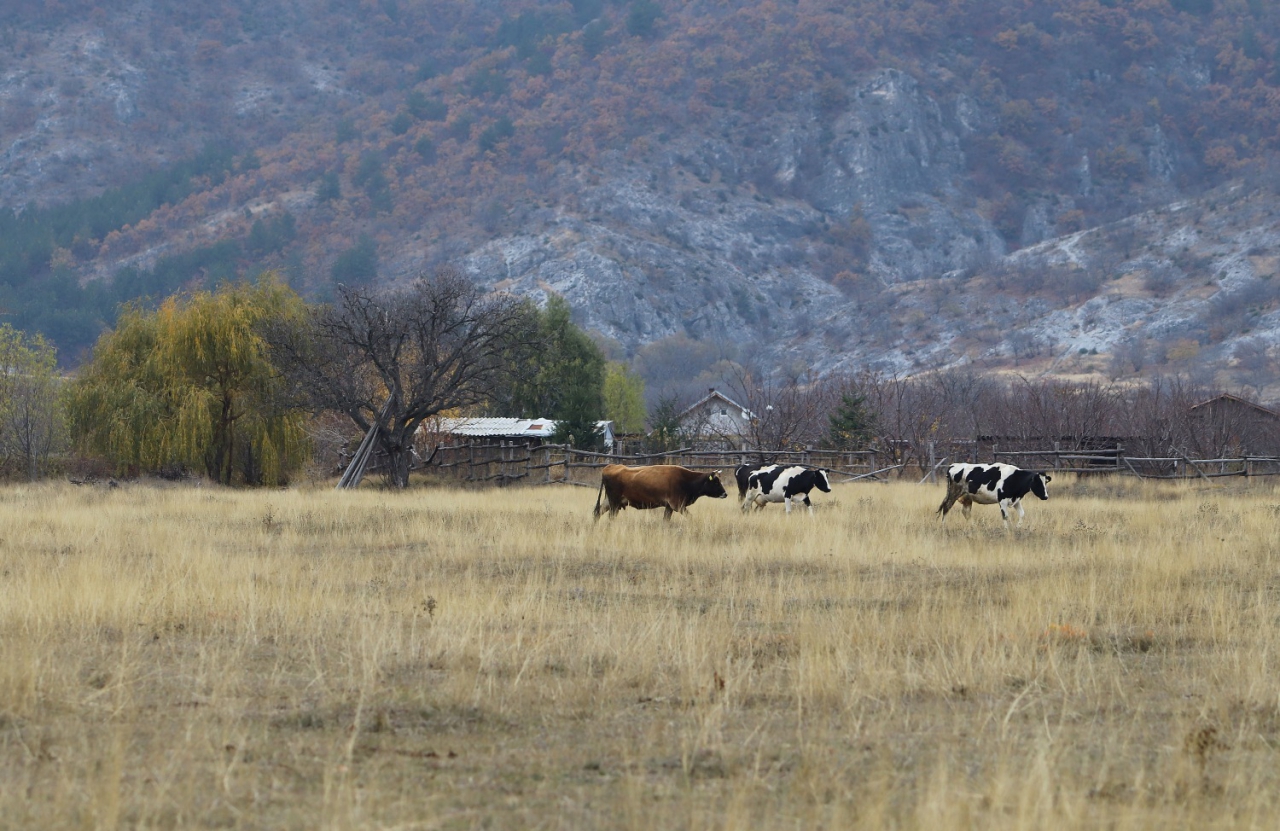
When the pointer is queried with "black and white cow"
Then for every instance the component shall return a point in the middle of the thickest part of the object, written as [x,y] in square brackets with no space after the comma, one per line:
[782,484]
[742,474]
[994,484]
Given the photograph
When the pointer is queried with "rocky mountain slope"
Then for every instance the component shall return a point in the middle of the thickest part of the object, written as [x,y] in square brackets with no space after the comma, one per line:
[1030,190]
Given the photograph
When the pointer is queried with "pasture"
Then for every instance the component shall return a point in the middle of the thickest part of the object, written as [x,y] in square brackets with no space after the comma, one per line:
[184,657]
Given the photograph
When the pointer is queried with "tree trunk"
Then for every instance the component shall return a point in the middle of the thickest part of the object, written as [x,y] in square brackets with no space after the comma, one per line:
[396,443]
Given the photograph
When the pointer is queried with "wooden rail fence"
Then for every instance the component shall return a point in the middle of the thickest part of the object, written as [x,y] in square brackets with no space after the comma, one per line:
[512,462]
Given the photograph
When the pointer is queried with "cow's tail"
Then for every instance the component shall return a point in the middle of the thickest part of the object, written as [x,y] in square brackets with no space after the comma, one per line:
[596,512]
[953,493]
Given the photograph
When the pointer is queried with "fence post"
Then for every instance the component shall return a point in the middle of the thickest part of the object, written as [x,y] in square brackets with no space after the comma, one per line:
[932,463]
[1119,453]
[1057,455]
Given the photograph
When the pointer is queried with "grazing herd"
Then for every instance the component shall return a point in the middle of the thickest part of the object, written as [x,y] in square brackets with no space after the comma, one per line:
[675,488]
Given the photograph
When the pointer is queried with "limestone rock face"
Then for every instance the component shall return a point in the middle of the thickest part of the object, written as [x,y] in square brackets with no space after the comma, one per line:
[717,240]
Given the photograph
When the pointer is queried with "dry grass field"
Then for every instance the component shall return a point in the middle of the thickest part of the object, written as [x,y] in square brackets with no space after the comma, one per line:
[198,657]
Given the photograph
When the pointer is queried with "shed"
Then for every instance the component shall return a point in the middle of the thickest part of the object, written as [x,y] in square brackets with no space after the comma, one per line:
[1228,423]
[533,431]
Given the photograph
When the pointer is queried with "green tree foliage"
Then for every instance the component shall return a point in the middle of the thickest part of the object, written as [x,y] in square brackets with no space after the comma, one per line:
[496,133]
[271,234]
[329,187]
[584,11]
[401,123]
[32,420]
[191,385]
[564,379]
[39,295]
[530,29]
[358,265]
[426,109]
[487,82]
[426,148]
[643,18]
[624,398]
[1199,7]
[369,175]
[666,430]
[28,237]
[593,33]
[852,425]
[208,265]
[346,130]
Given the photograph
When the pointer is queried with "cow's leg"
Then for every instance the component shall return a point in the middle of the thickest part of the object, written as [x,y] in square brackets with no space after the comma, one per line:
[808,504]
[954,491]
[787,500]
[667,513]
[1021,513]
[1004,513]
[748,502]
[966,506]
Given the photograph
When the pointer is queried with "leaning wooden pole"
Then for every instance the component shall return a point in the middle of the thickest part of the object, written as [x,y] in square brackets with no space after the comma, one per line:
[354,473]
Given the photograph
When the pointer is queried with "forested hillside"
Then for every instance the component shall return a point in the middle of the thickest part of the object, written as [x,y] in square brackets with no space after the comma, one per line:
[722,172]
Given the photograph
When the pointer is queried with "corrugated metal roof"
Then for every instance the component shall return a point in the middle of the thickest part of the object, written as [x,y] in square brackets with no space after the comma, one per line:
[541,428]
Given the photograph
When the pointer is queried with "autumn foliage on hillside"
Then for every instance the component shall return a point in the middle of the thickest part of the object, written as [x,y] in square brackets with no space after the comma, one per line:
[458,120]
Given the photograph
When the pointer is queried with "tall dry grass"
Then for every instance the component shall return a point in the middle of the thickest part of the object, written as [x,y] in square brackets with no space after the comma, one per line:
[188,657]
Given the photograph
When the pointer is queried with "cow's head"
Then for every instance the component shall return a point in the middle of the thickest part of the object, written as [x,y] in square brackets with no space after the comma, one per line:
[821,481]
[1040,485]
[712,487]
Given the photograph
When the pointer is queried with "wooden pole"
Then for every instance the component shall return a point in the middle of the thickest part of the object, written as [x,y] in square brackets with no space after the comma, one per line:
[354,473]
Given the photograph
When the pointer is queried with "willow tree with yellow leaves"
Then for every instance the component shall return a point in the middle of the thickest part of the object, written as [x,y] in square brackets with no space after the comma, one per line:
[191,386]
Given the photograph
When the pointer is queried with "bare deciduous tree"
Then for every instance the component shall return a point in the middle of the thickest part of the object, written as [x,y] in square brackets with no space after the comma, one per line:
[788,413]
[439,344]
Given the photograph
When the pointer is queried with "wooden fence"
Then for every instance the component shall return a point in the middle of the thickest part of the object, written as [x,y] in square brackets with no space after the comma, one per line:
[513,462]
[1115,461]
[510,462]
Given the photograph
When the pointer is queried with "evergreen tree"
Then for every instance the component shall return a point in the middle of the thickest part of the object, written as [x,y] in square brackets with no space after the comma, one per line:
[852,425]
[358,265]
[667,432]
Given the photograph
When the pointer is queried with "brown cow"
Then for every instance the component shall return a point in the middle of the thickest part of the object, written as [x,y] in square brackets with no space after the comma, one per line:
[655,486]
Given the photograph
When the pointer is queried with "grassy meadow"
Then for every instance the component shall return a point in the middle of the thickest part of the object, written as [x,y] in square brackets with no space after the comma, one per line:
[195,657]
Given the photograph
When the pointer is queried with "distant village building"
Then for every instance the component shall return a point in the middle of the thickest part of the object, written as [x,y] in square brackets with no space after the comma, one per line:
[1230,424]
[718,418]
[531,432]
